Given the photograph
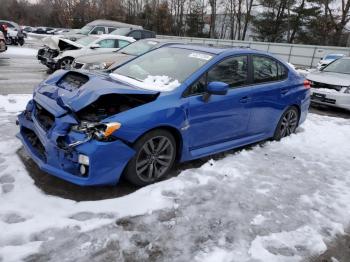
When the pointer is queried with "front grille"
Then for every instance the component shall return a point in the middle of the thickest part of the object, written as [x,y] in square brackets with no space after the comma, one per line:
[77,65]
[322,85]
[44,117]
[35,142]
[47,53]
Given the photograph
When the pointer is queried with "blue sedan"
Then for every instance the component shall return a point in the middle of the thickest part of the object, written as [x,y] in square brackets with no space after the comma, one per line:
[175,103]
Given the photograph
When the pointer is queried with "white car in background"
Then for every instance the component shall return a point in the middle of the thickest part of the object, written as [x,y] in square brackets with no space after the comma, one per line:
[331,85]
[59,53]
[327,59]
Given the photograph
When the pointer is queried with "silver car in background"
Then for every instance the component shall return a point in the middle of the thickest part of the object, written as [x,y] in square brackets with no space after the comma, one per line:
[327,59]
[331,85]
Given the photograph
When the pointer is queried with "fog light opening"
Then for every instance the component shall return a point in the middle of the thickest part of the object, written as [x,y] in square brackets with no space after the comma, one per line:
[83,170]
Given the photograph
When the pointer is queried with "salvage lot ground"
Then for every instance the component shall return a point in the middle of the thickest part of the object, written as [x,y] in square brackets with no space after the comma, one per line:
[277,201]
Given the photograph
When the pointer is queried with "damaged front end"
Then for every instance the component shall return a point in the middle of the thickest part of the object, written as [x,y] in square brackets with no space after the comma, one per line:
[53,47]
[64,128]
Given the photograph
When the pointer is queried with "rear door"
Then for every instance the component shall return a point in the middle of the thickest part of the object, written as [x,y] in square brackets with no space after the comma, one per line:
[222,117]
[269,93]
[107,45]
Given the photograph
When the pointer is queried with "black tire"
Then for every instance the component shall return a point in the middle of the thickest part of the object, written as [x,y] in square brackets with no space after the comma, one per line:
[151,163]
[287,124]
[65,63]
[21,41]
[9,41]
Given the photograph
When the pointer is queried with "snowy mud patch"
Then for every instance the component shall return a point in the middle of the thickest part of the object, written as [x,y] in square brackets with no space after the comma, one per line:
[278,201]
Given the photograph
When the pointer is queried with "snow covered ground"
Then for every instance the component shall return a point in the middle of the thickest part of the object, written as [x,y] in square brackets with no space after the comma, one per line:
[21,51]
[278,201]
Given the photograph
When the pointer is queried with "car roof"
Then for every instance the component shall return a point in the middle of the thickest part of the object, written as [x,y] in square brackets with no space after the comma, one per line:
[119,37]
[10,22]
[101,22]
[215,49]
[162,40]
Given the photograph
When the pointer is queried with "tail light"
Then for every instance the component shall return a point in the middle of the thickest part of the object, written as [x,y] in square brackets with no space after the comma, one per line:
[307,84]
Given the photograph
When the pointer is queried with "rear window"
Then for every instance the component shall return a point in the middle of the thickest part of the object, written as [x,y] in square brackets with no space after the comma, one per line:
[266,69]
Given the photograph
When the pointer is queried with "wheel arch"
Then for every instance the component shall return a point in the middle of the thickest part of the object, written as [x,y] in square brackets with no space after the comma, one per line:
[298,108]
[68,56]
[174,132]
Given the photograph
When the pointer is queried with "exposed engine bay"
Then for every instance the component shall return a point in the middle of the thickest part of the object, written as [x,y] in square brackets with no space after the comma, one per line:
[112,104]
[72,81]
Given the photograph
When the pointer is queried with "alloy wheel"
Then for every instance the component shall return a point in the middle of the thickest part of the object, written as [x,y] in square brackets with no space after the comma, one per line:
[154,158]
[289,123]
[65,64]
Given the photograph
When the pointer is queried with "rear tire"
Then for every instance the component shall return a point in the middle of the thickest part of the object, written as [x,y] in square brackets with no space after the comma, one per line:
[154,158]
[287,124]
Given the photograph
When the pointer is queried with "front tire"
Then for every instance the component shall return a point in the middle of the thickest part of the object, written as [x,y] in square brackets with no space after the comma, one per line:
[287,124]
[65,63]
[154,158]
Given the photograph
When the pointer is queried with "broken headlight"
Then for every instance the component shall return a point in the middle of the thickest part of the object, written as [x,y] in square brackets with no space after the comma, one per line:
[99,131]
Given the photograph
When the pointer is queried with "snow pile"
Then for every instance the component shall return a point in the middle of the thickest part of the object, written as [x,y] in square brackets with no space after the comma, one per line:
[156,83]
[21,51]
[161,83]
[302,71]
[278,201]
[14,103]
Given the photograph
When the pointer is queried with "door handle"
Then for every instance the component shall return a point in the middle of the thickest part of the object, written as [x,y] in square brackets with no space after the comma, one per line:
[244,99]
[284,91]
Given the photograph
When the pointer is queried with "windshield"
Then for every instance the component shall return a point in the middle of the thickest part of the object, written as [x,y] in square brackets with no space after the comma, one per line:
[85,30]
[85,41]
[163,69]
[139,47]
[121,31]
[339,66]
[332,57]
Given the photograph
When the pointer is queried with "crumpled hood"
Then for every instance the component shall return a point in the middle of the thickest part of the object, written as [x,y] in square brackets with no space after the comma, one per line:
[101,58]
[54,42]
[330,78]
[76,99]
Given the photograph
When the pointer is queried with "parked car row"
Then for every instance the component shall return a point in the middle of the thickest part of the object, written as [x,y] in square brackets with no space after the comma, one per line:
[59,53]
[12,32]
[100,36]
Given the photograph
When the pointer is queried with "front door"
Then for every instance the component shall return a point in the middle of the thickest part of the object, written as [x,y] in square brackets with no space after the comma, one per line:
[221,117]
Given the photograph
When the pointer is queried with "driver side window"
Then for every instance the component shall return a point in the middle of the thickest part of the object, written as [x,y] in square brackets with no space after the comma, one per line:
[232,71]
[107,43]
[98,30]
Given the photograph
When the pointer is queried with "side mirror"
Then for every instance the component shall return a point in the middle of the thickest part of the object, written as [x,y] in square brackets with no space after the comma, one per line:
[100,32]
[94,46]
[217,88]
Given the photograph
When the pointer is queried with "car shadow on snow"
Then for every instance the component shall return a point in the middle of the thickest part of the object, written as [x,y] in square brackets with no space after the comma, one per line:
[329,111]
[52,185]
